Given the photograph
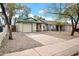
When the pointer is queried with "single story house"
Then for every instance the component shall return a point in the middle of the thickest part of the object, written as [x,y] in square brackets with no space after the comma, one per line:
[30,25]
[34,25]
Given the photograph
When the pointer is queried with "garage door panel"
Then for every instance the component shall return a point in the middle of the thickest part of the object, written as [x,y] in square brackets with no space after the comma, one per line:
[26,27]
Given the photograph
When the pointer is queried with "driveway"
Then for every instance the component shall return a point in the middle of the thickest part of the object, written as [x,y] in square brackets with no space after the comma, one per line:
[24,41]
[44,39]
[52,46]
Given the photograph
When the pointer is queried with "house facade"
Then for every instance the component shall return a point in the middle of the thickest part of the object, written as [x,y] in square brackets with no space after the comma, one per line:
[33,25]
[68,27]
[30,25]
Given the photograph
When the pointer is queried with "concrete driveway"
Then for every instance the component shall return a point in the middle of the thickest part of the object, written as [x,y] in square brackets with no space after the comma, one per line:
[44,39]
[35,40]
[61,48]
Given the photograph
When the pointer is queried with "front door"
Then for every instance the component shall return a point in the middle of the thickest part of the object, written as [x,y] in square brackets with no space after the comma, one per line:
[38,27]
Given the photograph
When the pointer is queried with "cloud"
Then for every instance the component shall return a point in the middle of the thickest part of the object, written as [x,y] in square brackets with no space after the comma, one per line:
[31,15]
[43,16]
[47,18]
[43,11]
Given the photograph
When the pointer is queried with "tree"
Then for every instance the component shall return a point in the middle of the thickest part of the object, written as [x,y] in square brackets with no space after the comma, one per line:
[9,10]
[68,11]
[59,25]
[6,17]
[25,13]
[72,12]
[39,18]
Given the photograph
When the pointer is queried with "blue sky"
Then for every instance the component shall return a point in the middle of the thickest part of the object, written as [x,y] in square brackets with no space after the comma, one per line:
[37,7]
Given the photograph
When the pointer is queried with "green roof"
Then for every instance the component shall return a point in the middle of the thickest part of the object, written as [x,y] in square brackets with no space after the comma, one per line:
[29,20]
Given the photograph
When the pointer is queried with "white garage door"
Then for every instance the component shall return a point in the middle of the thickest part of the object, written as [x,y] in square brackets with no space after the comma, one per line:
[19,27]
[27,27]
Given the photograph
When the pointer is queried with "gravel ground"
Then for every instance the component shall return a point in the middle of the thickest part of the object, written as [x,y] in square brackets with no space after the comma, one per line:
[20,42]
[62,34]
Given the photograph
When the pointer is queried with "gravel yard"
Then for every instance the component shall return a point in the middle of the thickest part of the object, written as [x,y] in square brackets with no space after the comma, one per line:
[62,34]
[20,42]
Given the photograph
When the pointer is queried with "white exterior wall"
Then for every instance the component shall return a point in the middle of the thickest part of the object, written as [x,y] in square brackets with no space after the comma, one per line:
[43,27]
[49,27]
[19,27]
[68,28]
[34,27]
[53,27]
[29,27]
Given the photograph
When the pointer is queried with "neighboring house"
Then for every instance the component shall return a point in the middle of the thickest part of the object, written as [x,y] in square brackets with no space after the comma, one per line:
[68,27]
[56,26]
[50,24]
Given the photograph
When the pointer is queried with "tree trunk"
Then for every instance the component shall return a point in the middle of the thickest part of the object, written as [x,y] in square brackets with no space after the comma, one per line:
[10,27]
[72,33]
[6,20]
[57,27]
[74,25]
[73,29]
[10,33]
